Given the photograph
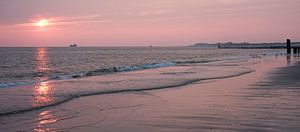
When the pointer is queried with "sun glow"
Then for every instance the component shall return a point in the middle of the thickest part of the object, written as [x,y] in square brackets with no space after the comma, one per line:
[42,23]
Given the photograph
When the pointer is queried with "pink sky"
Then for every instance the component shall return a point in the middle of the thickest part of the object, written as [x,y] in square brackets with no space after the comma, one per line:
[144,22]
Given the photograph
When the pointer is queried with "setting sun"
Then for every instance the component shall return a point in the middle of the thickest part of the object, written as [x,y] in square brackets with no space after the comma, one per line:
[42,23]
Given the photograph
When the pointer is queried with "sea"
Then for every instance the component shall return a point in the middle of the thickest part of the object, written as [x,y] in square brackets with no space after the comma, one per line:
[27,75]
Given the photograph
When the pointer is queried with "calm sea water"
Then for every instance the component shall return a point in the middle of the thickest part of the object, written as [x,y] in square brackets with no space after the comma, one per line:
[19,66]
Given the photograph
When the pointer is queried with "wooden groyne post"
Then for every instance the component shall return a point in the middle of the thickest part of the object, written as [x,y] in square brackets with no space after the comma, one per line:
[288,46]
[295,50]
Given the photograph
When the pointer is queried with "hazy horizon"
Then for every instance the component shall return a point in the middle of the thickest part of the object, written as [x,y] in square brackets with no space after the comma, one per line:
[104,23]
[121,46]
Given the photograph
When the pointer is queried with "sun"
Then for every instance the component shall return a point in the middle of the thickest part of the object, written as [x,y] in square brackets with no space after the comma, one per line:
[42,23]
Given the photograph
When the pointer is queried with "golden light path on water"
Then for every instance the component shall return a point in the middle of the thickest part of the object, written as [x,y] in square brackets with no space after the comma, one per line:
[41,58]
[42,90]
[42,93]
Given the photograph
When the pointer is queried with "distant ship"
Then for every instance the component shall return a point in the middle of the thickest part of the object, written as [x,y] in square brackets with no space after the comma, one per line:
[73,45]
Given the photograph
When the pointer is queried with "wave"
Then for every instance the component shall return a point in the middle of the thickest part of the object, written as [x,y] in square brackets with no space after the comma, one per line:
[70,97]
[12,84]
[95,72]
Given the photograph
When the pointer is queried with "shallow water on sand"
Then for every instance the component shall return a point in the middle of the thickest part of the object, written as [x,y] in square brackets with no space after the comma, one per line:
[31,97]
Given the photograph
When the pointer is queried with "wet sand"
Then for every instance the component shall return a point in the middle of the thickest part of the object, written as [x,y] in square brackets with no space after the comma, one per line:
[264,100]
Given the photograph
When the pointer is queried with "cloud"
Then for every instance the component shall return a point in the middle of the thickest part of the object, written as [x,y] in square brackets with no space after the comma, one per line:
[64,21]
[152,13]
[61,21]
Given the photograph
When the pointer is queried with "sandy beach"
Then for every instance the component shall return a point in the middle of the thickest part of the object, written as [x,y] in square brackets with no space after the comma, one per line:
[260,100]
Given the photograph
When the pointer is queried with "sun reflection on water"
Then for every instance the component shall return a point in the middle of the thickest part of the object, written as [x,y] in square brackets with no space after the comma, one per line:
[43,93]
[41,58]
[45,118]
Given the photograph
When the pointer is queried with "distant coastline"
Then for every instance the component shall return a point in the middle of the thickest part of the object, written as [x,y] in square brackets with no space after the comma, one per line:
[245,45]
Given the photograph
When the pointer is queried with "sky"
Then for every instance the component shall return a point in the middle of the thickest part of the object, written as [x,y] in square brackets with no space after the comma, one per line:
[30,23]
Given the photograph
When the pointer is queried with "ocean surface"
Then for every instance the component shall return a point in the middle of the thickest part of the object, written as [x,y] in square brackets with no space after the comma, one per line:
[35,78]
[20,66]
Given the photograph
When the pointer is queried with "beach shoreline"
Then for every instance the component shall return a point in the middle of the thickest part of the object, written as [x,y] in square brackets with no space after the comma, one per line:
[217,104]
